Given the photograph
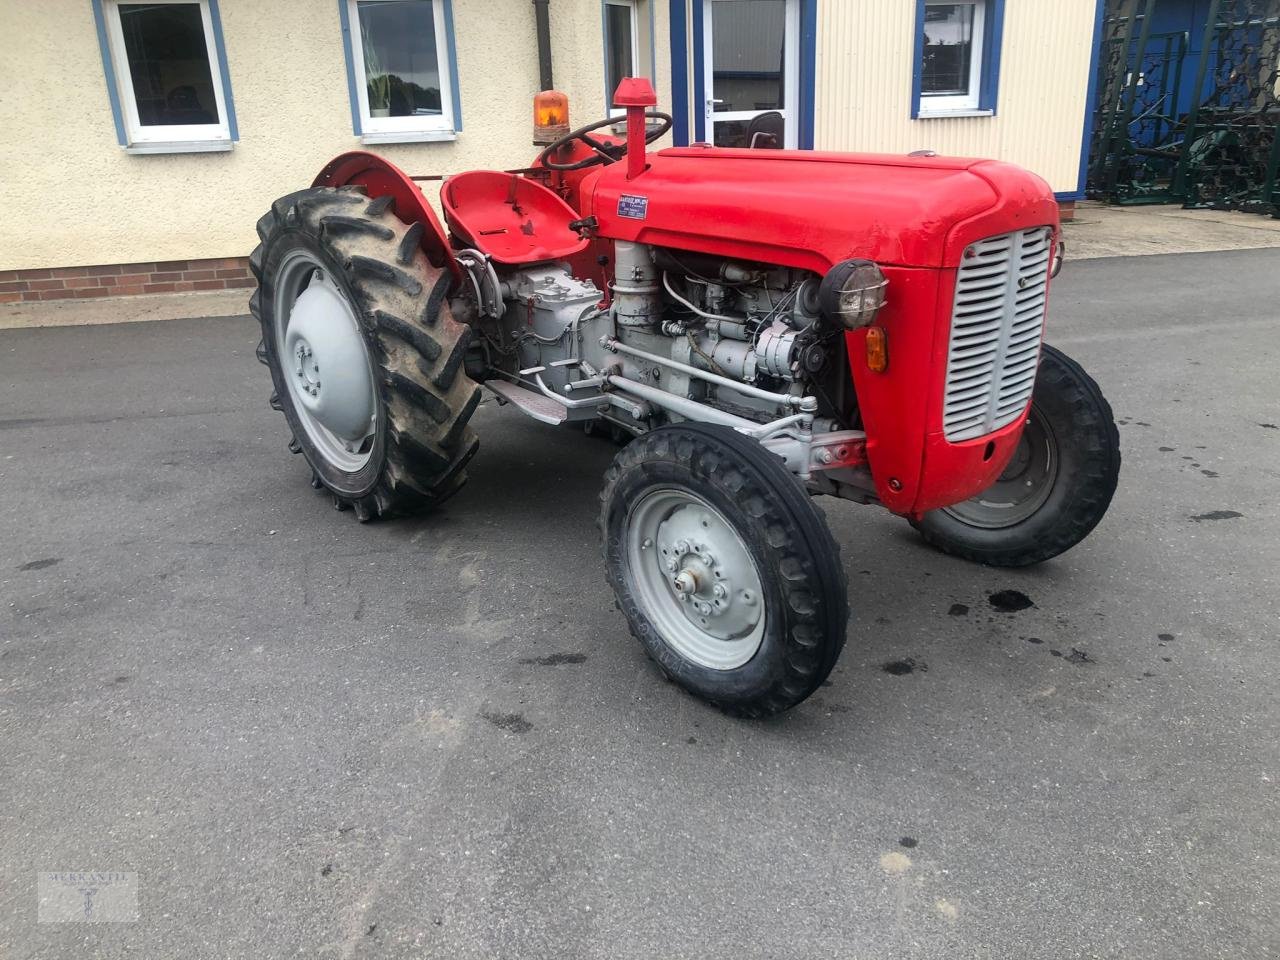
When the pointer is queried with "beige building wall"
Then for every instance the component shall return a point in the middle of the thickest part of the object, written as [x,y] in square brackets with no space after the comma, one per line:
[864,59]
[71,196]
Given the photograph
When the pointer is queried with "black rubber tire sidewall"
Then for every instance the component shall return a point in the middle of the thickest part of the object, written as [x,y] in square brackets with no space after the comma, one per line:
[795,556]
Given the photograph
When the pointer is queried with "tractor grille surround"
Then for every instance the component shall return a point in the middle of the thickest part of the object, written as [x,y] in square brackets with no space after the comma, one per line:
[996,324]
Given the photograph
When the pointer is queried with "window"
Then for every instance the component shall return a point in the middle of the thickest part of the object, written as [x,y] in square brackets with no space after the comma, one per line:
[621,51]
[166,72]
[628,47]
[957,58]
[400,58]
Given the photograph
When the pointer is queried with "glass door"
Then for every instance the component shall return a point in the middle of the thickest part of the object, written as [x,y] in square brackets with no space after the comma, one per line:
[751,55]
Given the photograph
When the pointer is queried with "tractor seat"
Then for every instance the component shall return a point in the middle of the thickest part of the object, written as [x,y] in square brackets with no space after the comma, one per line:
[509,217]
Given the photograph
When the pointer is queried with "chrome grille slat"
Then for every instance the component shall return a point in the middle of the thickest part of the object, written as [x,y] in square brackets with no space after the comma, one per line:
[997,320]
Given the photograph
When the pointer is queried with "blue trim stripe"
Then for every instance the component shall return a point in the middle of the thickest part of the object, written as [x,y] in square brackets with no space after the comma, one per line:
[678,15]
[351,67]
[808,72]
[451,48]
[1068,195]
[917,61]
[992,43]
[113,92]
[699,76]
[221,48]
[1092,94]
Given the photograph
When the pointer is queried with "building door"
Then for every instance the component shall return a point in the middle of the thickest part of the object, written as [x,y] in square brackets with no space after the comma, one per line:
[751,67]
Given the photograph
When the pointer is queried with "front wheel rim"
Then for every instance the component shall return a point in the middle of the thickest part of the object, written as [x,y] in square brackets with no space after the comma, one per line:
[325,363]
[1023,487]
[694,579]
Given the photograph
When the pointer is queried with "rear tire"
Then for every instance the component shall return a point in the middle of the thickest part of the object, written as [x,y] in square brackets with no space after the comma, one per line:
[1058,485]
[369,266]
[724,568]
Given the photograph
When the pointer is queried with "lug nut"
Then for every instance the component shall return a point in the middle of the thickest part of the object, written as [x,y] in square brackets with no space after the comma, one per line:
[719,590]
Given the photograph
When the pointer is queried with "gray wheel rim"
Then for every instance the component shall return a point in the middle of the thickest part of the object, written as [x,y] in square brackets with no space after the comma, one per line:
[694,578]
[325,362]
[1024,486]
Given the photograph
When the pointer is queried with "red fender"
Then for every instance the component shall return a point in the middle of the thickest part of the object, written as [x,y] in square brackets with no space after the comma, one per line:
[382,178]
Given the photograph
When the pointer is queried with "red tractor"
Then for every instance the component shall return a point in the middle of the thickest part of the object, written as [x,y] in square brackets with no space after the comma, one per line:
[762,325]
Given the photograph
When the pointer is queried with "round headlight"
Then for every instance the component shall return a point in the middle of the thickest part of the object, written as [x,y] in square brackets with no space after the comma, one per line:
[852,293]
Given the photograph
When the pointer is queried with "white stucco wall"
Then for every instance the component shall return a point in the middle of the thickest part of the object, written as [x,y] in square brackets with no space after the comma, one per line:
[865,54]
[71,196]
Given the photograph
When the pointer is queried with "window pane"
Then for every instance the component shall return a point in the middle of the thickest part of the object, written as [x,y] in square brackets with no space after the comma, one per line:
[402,73]
[617,25]
[168,63]
[747,41]
[948,49]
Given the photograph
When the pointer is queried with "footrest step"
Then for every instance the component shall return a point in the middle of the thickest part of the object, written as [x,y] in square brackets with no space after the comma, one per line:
[534,404]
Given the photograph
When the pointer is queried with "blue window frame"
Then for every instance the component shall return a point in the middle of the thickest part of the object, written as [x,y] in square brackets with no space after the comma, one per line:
[165,64]
[688,73]
[956,66]
[402,70]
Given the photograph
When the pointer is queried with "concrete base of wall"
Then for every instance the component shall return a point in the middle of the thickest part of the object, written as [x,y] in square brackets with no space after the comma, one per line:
[170,306]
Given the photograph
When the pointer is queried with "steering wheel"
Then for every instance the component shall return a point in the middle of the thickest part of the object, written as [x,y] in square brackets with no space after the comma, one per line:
[604,152]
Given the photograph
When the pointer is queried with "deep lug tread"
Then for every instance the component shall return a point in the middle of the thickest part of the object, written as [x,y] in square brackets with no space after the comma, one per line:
[460,422]
[381,270]
[435,302]
[273,401]
[418,396]
[410,243]
[416,453]
[338,224]
[416,337]
[260,351]
[255,263]
[448,370]
[426,443]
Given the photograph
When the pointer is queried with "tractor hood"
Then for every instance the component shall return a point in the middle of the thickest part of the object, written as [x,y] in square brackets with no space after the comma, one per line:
[810,210]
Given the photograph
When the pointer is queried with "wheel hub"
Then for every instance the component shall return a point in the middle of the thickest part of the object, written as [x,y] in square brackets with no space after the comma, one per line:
[326,362]
[306,369]
[697,579]
[1023,486]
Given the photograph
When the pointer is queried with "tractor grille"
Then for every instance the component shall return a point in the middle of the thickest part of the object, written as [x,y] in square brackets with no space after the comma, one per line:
[996,324]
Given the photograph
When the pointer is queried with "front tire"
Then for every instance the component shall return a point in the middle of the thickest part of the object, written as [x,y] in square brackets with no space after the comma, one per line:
[365,356]
[724,568]
[1056,488]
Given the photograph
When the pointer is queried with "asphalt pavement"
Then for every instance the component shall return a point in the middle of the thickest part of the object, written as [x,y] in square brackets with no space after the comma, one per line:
[307,737]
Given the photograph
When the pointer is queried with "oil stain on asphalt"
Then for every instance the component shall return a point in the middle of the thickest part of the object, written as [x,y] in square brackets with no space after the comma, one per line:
[511,722]
[900,668]
[1217,515]
[40,564]
[555,659]
[1010,601]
